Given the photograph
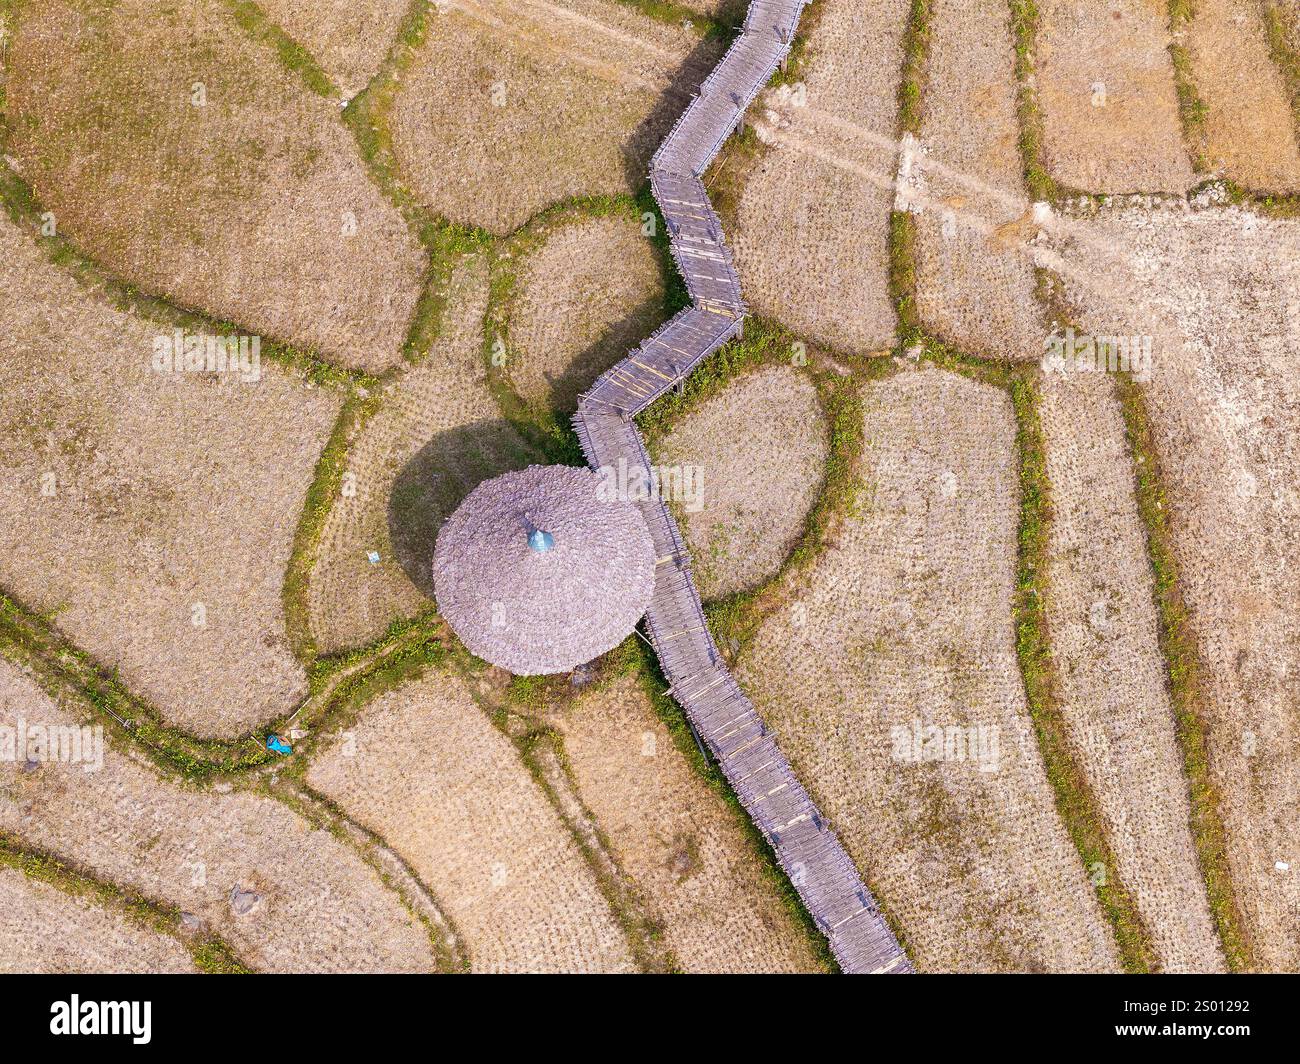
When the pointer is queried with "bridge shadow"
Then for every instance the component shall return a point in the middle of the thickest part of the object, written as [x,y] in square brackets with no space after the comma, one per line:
[436,480]
[611,346]
[644,140]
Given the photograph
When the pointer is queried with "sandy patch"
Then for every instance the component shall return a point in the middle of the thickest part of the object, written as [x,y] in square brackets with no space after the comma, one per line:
[1106,86]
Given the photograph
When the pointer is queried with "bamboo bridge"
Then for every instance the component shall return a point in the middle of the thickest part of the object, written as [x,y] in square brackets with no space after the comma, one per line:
[807,848]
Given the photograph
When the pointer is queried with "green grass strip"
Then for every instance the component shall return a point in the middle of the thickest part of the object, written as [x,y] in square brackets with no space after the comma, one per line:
[24,209]
[674,14]
[792,70]
[737,617]
[547,431]
[1192,109]
[1024,30]
[537,744]
[1283,55]
[367,117]
[916,52]
[1182,659]
[322,494]
[902,275]
[212,955]
[1074,798]
[292,55]
[30,640]
[673,718]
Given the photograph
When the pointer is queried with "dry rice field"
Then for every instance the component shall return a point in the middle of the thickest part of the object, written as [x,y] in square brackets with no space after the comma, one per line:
[677,839]
[437,434]
[903,625]
[1106,87]
[529,103]
[588,295]
[1249,123]
[46,930]
[1113,696]
[757,451]
[216,178]
[1216,291]
[152,514]
[285,895]
[812,216]
[349,40]
[426,769]
[975,277]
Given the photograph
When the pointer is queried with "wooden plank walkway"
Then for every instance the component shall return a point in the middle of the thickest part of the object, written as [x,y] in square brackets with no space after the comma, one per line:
[746,751]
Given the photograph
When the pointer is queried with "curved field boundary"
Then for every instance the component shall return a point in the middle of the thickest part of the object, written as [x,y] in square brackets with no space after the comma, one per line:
[807,848]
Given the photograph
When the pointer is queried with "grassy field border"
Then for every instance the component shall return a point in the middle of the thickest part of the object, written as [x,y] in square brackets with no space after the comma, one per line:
[1184,670]
[651,678]
[796,62]
[901,239]
[211,954]
[1024,32]
[292,56]
[916,57]
[325,814]
[367,116]
[550,433]
[736,618]
[672,13]
[1205,820]
[30,641]
[517,714]
[322,492]
[25,210]
[1282,53]
[1074,798]
[1192,108]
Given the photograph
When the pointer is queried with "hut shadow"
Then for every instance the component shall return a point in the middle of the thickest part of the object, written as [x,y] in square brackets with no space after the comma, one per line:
[642,143]
[432,484]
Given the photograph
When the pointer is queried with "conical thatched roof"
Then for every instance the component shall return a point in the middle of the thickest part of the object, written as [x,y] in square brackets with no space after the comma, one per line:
[540,604]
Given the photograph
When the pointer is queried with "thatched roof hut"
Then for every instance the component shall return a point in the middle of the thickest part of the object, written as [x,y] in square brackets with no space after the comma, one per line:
[538,572]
